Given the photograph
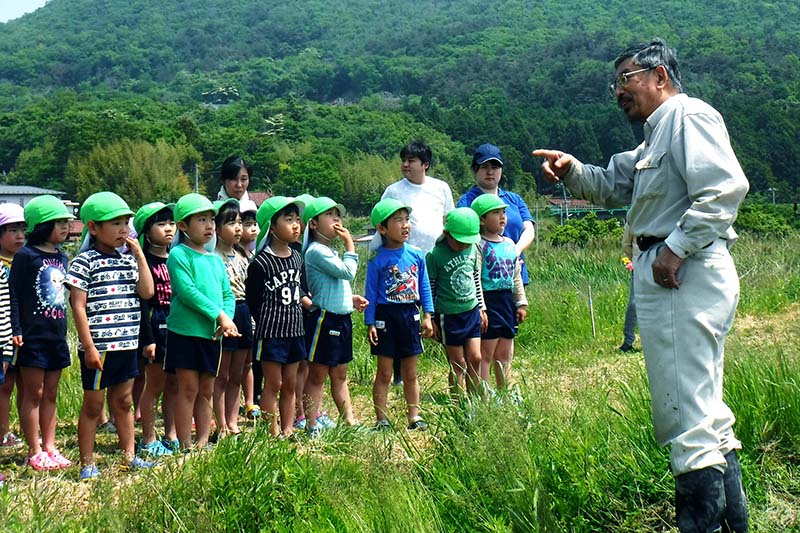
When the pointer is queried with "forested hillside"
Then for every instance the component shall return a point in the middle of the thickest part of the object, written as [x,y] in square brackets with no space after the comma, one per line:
[321,94]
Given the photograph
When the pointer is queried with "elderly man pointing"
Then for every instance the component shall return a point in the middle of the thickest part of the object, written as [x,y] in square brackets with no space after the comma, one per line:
[684,185]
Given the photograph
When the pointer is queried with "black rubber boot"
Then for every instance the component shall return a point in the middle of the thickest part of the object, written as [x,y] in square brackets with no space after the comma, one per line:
[735,519]
[700,501]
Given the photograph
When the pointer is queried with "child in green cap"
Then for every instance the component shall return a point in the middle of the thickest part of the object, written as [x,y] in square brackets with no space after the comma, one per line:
[200,313]
[155,225]
[39,326]
[105,288]
[454,268]
[251,375]
[503,290]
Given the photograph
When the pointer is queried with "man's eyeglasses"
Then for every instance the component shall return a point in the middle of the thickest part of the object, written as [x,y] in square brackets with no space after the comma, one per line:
[623,79]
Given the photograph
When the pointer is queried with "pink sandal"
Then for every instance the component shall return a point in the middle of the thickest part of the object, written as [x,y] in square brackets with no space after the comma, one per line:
[42,461]
[59,459]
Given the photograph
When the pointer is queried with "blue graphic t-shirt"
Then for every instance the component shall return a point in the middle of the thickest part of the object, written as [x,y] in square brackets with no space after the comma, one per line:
[38,300]
[499,262]
[397,276]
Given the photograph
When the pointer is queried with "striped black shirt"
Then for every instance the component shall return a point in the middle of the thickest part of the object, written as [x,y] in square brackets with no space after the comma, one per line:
[272,291]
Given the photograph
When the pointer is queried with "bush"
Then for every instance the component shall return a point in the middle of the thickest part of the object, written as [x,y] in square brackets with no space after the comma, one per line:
[763,219]
[582,230]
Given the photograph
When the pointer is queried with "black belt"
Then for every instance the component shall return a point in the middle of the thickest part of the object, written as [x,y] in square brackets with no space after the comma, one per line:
[644,242]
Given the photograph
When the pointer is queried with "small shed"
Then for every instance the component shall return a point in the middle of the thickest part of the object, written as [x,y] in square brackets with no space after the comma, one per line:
[22,194]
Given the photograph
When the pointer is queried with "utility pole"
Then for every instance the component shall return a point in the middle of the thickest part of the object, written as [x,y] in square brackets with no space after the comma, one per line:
[196,177]
[772,190]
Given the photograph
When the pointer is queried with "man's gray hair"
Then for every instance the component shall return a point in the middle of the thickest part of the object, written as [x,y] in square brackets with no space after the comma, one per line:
[651,55]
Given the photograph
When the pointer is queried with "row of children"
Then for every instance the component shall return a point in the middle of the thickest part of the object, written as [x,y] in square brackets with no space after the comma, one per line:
[171,299]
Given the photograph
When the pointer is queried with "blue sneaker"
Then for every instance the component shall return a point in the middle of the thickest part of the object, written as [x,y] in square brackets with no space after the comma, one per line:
[300,424]
[88,473]
[137,464]
[172,445]
[154,449]
[325,422]
[313,433]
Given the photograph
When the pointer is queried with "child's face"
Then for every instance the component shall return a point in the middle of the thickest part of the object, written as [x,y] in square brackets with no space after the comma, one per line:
[230,232]
[60,231]
[396,229]
[161,233]
[13,238]
[494,221]
[110,234]
[286,227]
[325,223]
[413,168]
[456,246]
[199,228]
[249,230]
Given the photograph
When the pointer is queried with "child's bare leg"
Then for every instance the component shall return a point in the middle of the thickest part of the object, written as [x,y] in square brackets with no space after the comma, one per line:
[380,387]
[33,383]
[317,373]
[472,353]
[168,406]
[302,398]
[188,387]
[47,410]
[5,403]
[155,381]
[408,367]
[288,397]
[458,369]
[233,389]
[273,379]
[502,362]
[138,388]
[247,381]
[120,400]
[488,348]
[220,385]
[93,402]
[202,417]
[340,393]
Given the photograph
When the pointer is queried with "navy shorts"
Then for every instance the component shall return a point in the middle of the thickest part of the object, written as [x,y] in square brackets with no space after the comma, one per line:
[285,351]
[398,331]
[244,323]
[458,328]
[118,367]
[502,314]
[192,353]
[52,357]
[158,325]
[329,338]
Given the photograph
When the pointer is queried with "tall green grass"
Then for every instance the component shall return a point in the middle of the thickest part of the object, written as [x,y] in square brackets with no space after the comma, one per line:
[576,454]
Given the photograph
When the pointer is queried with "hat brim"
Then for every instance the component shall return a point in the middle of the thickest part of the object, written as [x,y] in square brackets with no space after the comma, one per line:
[466,239]
[111,215]
[484,159]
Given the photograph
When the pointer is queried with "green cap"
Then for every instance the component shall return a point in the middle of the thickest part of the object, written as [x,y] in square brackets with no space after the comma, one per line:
[463,224]
[487,202]
[104,206]
[272,205]
[386,208]
[44,209]
[305,198]
[143,215]
[218,204]
[191,204]
[319,206]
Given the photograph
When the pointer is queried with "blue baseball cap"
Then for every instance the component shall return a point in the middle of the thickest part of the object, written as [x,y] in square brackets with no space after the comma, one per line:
[487,152]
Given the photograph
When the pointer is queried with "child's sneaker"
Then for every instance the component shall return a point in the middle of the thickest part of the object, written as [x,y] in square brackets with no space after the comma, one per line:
[10,440]
[325,421]
[418,424]
[88,473]
[137,464]
[300,423]
[154,449]
[313,433]
[107,427]
[41,461]
[172,445]
[3,479]
[59,459]
[382,425]
[253,412]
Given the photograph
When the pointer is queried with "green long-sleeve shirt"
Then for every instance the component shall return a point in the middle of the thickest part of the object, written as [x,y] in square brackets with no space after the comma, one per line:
[200,290]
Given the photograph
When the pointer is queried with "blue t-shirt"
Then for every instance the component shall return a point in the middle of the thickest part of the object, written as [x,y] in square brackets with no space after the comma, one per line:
[397,276]
[499,262]
[516,214]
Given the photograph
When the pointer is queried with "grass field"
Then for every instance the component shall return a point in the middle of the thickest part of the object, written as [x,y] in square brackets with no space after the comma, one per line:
[577,454]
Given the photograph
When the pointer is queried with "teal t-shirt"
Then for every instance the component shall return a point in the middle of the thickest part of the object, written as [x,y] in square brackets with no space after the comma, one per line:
[455,278]
[200,290]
